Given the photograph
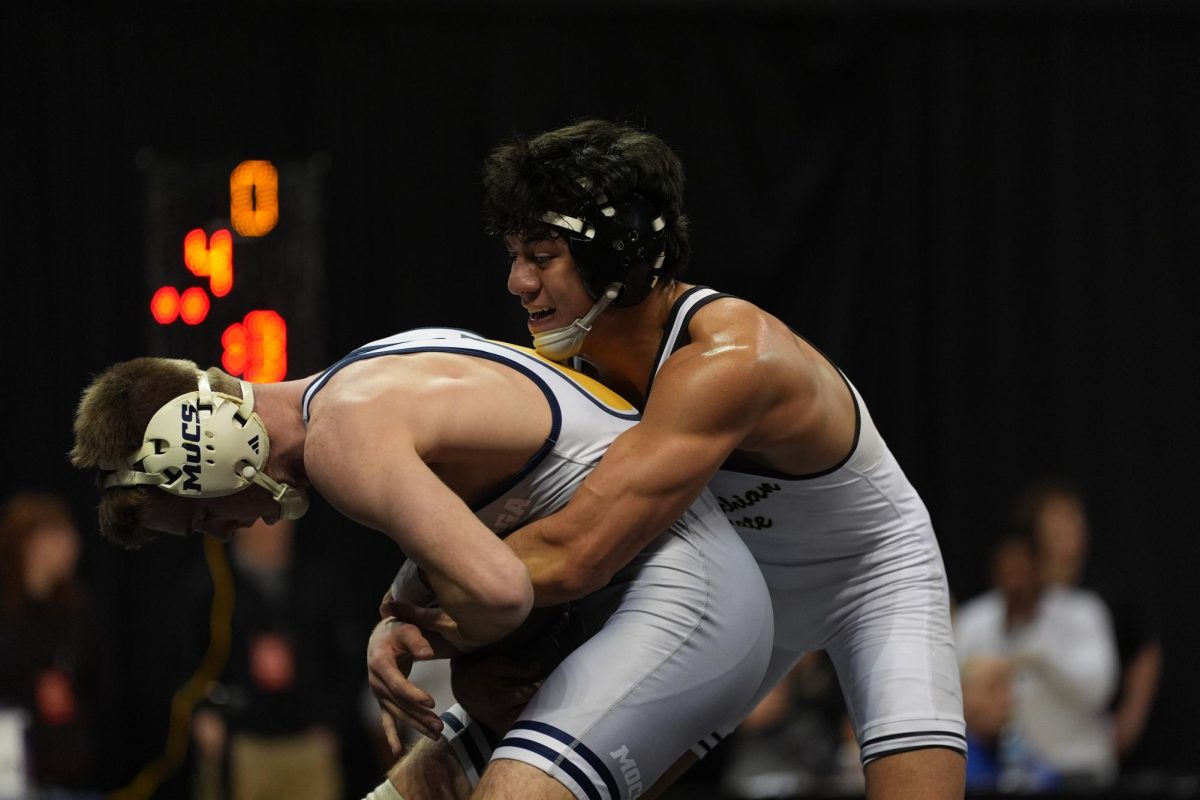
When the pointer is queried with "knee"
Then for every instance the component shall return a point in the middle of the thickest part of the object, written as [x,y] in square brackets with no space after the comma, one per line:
[937,773]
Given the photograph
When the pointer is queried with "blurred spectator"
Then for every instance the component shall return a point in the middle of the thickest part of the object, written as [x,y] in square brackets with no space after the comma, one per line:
[797,740]
[998,758]
[272,726]
[1059,643]
[51,647]
[1053,511]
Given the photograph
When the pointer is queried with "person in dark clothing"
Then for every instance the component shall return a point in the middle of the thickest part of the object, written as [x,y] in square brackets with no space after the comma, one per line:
[51,646]
[288,688]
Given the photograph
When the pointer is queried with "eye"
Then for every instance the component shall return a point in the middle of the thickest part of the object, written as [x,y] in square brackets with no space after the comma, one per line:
[542,259]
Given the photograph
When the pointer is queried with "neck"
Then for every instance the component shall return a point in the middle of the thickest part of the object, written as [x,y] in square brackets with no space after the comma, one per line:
[279,405]
[624,342]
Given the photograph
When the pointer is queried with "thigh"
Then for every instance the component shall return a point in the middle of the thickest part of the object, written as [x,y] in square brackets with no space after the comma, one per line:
[680,644]
[514,780]
[895,661]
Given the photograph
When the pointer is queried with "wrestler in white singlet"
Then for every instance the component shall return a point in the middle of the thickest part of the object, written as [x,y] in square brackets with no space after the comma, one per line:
[853,567]
[673,648]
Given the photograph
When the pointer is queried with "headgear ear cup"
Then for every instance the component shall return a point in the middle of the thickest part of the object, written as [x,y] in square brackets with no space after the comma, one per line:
[621,241]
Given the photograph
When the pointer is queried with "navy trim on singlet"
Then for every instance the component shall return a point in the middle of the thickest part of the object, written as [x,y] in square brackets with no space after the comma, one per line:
[633,415]
[683,338]
[911,734]
[569,767]
[480,763]
[683,334]
[574,744]
[555,410]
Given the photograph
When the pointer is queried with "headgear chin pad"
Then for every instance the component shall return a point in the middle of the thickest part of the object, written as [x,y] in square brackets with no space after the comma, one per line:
[206,444]
[620,241]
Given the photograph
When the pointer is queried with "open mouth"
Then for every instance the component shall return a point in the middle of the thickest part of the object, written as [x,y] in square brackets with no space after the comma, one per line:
[540,314]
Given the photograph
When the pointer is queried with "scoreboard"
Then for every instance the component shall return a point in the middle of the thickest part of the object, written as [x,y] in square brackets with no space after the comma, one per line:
[234,264]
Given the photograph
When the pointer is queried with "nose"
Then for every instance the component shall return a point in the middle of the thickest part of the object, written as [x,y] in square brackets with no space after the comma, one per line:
[523,279]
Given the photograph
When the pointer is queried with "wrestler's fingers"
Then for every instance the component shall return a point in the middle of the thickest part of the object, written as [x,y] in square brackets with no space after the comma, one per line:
[422,720]
[412,640]
[391,733]
[391,684]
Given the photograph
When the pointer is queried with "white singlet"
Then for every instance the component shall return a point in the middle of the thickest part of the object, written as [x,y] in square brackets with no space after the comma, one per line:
[673,649]
[853,567]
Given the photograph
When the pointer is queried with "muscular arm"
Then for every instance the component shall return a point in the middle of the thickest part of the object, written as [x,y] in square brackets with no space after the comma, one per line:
[369,453]
[705,401]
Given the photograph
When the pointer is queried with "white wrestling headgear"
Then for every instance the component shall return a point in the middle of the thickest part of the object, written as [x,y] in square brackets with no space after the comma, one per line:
[206,444]
[563,343]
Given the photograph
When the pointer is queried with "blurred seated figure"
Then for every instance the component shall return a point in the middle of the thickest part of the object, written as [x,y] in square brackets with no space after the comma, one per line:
[272,725]
[1053,510]
[51,650]
[1060,645]
[998,758]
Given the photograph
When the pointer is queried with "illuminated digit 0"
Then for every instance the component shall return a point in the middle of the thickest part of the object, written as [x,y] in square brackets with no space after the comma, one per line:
[254,198]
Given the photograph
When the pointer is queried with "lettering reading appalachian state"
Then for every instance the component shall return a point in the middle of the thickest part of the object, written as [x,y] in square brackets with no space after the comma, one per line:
[748,499]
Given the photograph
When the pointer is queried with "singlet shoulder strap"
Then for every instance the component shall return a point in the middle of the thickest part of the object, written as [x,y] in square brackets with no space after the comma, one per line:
[675,333]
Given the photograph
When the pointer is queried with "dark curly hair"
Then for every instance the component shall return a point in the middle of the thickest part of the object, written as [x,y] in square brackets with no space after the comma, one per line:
[525,178]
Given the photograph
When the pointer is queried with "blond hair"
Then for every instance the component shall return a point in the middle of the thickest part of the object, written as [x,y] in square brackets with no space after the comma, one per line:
[110,423]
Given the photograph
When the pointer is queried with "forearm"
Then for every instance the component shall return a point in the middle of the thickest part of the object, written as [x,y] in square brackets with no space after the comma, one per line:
[1138,692]
[484,614]
[577,550]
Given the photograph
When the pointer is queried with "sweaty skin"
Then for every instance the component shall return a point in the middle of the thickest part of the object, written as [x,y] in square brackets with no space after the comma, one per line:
[744,390]
[746,387]
[454,428]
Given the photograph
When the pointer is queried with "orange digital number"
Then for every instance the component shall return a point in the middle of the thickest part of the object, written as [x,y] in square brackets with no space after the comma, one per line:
[256,347]
[254,198]
[210,258]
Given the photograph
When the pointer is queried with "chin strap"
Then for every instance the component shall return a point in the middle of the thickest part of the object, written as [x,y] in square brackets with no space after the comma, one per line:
[566,342]
[293,502]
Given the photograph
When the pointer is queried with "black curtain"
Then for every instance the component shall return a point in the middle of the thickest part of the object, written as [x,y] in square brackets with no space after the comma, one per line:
[984,213]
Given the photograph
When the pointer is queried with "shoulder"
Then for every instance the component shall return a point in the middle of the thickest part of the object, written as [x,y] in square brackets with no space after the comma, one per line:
[734,342]
[731,333]
[734,320]
[391,383]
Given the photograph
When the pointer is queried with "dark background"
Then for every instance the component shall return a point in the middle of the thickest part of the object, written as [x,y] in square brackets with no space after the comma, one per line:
[985,212]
